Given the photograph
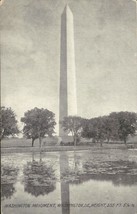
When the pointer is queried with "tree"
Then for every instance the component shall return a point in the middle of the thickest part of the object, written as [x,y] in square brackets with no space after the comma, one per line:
[118,125]
[100,129]
[73,125]
[8,123]
[94,128]
[88,129]
[110,125]
[127,123]
[38,124]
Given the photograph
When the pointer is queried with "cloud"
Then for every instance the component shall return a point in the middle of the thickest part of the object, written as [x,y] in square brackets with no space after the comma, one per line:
[105,45]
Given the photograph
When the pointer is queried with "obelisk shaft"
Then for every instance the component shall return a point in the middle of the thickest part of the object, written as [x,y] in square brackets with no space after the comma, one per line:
[67,101]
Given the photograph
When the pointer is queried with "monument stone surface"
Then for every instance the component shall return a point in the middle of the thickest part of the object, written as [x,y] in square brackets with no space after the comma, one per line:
[68,97]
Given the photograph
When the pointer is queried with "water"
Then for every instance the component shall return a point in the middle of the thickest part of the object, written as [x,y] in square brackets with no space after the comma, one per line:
[97,181]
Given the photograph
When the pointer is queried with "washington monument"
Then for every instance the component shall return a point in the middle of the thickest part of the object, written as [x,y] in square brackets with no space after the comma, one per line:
[67,99]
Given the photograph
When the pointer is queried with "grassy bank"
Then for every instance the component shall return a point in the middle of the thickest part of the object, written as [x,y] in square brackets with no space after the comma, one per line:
[24,145]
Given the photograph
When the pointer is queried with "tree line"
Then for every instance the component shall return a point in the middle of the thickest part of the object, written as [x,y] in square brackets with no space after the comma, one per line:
[40,122]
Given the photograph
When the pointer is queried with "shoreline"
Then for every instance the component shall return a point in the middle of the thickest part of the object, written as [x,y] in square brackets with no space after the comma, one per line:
[59,148]
[44,149]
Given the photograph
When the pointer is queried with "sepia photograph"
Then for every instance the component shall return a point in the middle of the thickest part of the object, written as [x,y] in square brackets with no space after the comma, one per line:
[68,114]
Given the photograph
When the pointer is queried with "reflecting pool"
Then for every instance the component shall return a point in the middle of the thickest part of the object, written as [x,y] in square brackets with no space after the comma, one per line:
[98,181]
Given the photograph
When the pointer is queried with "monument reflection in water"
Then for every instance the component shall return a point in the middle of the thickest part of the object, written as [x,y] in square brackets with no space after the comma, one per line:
[68,178]
[120,173]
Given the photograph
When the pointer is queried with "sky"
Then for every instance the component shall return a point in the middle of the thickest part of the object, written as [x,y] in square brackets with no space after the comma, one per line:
[105,55]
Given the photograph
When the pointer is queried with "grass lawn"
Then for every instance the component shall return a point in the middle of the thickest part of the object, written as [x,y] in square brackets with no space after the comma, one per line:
[23,142]
[49,144]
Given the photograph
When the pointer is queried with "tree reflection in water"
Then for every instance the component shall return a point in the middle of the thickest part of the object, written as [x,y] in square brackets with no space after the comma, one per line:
[8,179]
[39,178]
[119,172]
